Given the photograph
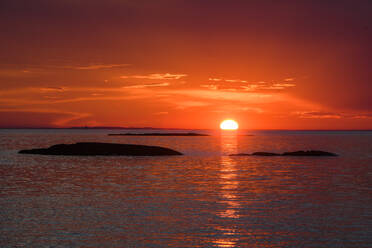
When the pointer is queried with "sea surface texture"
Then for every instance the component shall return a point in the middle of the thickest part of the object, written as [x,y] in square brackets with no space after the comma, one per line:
[202,199]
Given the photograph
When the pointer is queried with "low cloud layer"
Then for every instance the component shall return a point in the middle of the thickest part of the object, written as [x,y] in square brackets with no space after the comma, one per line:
[157,76]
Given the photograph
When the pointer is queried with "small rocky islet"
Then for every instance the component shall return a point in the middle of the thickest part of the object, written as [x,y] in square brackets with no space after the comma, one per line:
[115,149]
[157,134]
[102,149]
[310,153]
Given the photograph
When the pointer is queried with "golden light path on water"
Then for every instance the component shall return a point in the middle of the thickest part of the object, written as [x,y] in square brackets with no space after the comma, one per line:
[228,188]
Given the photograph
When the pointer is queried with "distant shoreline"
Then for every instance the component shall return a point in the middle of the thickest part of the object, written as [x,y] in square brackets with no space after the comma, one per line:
[157,134]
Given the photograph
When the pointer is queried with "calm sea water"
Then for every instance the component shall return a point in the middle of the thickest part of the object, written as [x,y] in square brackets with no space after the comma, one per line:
[202,199]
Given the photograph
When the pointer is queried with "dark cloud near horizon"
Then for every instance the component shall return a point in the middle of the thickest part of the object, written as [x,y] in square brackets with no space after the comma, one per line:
[326,45]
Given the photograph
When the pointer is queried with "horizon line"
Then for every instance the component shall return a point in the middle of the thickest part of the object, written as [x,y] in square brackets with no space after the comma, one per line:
[163,128]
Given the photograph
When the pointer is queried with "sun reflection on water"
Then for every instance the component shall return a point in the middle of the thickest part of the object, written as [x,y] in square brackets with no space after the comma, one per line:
[229,185]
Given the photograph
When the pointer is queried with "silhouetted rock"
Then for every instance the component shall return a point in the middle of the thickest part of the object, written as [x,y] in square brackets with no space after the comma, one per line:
[103,149]
[309,153]
[241,154]
[157,134]
[296,153]
[265,154]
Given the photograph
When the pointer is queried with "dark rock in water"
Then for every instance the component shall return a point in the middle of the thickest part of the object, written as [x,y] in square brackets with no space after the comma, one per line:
[103,149]
[265,154]
[157,134]
[241,154]
[296,153]
[309,153]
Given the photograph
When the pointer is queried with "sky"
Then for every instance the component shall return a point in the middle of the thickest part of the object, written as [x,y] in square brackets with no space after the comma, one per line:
[186,63]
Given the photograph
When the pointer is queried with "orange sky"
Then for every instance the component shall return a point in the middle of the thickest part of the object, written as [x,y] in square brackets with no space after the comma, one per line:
[186,64]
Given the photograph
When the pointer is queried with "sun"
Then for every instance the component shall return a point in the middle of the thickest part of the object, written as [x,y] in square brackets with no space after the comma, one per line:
[229,125]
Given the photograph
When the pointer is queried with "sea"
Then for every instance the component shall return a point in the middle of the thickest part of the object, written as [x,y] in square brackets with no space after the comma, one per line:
[204,198]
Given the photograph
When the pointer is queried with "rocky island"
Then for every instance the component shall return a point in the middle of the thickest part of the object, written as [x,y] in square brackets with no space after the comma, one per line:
[157,134]
[313,153]
[102,149]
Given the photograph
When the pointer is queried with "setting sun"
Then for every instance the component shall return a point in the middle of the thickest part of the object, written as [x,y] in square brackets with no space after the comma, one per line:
[229,125]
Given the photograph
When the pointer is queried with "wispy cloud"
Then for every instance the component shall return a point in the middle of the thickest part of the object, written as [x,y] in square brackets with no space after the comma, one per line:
[227,80]
[284,85]
[141,86]
[274,86]
[235,81]
[225,95]
[216,83]
[210,86]
[33,70]
[93,66]
[251,87]
[362,116]
[332,115]
[318,115]
[215,79]
[156,76]
[53,89]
